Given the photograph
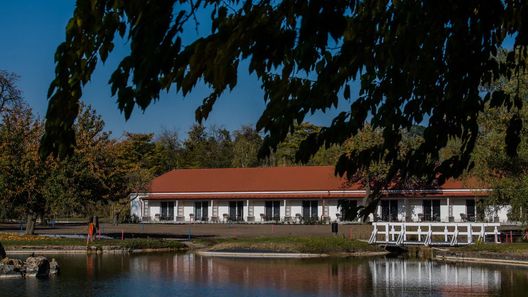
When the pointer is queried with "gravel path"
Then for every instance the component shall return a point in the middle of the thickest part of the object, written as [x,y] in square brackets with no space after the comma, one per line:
[202,230]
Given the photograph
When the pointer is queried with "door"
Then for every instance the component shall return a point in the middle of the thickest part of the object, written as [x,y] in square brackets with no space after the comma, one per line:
[431,210]
[236,210]
[315,210]
[276,210]
[272,210]
[306,210]
[427,210]
[470,209]
[310,210]
[200,210]
[385,210]
[269,210]
[167,211]
[394,210]
[205,211]
[232,210]
[436,210]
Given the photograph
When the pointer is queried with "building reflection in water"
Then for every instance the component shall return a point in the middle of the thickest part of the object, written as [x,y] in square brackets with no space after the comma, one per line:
[322,277]
[318,277]
[406,275]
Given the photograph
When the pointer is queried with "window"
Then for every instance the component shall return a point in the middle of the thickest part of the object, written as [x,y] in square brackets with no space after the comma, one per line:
[236,210]
[310,211]
[389,210]
[200,211]
[272,210]
[167,211]
[431,210]
[470,209]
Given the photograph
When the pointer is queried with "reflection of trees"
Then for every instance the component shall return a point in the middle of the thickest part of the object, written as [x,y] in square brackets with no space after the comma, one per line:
[513,282]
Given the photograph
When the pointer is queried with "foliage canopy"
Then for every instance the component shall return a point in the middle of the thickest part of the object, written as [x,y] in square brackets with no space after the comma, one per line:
[416,62]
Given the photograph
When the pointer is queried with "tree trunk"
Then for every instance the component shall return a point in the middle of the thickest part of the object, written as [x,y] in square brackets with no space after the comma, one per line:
[364,214]
[30,224]
[2,252]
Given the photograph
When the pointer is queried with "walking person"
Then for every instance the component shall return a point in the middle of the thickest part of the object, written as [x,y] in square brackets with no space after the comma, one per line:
[91,231]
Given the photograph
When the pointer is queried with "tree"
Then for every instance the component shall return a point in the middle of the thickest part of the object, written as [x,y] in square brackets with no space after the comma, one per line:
[285,153]
[410,62]
[495,168]
[205,148]
[508,176]
[195,147]
[133,167]
[21,168]
[246,144]
[10,95]
[139,149]
[168,151]
[220,150]
[79,183]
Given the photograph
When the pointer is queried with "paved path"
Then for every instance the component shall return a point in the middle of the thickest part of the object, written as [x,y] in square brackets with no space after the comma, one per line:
[202,230]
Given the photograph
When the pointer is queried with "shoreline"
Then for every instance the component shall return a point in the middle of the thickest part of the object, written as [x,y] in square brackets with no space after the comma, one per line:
[86,250]
[277,254]
[79,250]
[476,260]
[90,252]
[439,255]
[268,255]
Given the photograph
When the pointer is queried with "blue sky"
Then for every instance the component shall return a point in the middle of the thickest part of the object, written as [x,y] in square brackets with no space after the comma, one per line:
[31,31]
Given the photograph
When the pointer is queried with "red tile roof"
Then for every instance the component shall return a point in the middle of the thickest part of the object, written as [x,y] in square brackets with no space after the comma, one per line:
[274,182]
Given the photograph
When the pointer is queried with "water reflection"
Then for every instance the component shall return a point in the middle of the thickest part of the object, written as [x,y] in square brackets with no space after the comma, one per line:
[315,277]
[390,275]
[193,275]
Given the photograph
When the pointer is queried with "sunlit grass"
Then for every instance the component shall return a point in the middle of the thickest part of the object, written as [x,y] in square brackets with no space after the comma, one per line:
[16,240]
[294,244]
[19,237]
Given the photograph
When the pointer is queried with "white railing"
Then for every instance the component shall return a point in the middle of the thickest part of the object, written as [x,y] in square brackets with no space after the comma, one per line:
[428,234]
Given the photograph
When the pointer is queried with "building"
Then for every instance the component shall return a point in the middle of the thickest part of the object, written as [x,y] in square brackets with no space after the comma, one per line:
[296,195]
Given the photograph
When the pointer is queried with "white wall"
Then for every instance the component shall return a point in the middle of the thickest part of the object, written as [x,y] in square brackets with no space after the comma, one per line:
[223,208]
[259,207]
[444,210]
[415,207]
[458,205]
[333,210]
[296,207]
[155,208]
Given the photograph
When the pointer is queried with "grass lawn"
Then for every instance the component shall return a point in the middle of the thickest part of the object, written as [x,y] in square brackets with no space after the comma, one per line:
[11,240]
[291,244]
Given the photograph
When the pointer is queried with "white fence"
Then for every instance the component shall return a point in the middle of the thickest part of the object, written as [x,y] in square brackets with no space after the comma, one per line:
[451,234]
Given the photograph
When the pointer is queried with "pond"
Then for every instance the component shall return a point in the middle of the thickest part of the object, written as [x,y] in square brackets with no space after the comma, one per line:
[192,275]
